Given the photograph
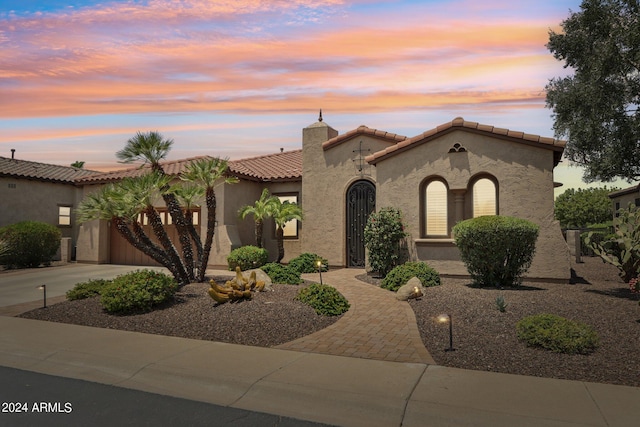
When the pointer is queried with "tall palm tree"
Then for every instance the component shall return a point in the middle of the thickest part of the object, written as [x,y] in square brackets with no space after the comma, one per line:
[261,209]
[208,172]
[79,164]
[283,213]
[152,147]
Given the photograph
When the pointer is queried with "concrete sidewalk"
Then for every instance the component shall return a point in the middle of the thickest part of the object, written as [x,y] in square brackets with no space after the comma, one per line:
[330,389]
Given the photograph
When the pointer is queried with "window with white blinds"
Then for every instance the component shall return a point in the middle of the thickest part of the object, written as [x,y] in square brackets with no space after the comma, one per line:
[484,198]
[436,209]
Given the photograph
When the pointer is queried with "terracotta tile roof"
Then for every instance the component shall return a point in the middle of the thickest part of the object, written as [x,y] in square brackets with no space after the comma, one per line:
[363,130]
[25,169]
[170,167]
[625,191]
[461,124]
[284,166]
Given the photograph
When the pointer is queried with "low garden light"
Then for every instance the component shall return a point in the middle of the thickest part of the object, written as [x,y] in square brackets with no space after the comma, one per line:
[443,318]
[319,264]
[43,288]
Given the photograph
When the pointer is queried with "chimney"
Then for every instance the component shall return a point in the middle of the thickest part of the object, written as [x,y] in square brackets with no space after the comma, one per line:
[13,152]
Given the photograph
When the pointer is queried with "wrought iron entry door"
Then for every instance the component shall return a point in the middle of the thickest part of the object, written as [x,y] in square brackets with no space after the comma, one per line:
[361,201]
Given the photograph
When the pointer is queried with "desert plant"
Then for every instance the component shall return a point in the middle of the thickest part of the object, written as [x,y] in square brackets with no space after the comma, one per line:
[282,274]
[137,291]
[497,250]
[324,299]
[557,334]
[308,263]
[623,248]
[247,257]
[29,244]
[501,304]
[89,289]
[401,274]
[283,213]
[382,235]
[262,209]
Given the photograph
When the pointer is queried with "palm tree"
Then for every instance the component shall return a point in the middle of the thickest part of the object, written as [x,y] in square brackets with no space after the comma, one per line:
[152,147]
[207,173]
[283,213]
[77,164]
[260,210]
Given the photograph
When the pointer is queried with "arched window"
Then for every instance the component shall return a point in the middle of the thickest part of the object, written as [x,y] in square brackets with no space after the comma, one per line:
[435,209]
[484,198]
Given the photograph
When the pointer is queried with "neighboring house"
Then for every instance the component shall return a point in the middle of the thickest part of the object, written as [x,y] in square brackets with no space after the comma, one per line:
[31,191]
[621,199]
[455,171]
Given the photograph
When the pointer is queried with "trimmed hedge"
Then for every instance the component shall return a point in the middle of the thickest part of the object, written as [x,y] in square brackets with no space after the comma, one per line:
[247,258]
[557,334]
[29,244]
[324,299]
[401,274]
[497,250]
[138,291]
[308,263]
[282,274]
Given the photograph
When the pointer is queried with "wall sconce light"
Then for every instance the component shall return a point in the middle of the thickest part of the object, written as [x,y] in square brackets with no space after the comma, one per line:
[447,318]
[320,266]
[43,288]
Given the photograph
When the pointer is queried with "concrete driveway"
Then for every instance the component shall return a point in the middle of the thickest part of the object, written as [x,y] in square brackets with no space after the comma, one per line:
[21,286]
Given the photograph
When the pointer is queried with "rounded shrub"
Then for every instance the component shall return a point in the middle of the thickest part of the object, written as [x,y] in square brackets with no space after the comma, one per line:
[401,274]
[497,250]
[29,244]
[89,289]
[308,263]
[324,299]
[382,236]
[137,291]
[282,274]
[557,334]
[247,257]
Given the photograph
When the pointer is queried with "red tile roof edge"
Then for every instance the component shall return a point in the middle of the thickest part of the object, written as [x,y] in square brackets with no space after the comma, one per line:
[363,130]
[460,123]
[27,169]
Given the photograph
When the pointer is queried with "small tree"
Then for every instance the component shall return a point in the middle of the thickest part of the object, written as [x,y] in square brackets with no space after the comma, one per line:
[497,250]
[382,236]
[583,207]
[261,210]
[283,213]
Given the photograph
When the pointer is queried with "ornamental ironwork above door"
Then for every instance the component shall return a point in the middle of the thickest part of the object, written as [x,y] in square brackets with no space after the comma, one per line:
[361,201]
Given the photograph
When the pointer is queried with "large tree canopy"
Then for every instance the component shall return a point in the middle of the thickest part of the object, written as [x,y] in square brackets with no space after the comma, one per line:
[596,109]
[583,207]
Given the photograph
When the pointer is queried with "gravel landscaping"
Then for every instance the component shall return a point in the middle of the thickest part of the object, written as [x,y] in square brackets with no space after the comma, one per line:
[484,338]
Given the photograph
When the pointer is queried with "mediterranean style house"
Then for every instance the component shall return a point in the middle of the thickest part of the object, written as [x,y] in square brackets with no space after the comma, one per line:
[458,170]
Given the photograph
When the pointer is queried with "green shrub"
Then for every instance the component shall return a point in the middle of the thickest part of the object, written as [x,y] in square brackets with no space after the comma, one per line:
[401,274]
[497,250]
[324,299]
[29,244]
[623,248]
[89,289]
[382,236]
[137,291]
[282,274]
[247,257]
[308,263]
[557,334]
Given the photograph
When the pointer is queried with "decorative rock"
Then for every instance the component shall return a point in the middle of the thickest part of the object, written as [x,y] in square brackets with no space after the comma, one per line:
[412,289]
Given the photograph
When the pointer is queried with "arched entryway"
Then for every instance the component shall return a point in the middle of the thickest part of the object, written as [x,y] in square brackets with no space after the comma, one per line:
[361,201]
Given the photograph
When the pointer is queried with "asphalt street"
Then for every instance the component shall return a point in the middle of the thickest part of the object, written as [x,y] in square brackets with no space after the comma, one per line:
[33,399]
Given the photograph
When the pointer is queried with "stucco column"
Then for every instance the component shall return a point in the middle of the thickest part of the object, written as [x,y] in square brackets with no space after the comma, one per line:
[458,200]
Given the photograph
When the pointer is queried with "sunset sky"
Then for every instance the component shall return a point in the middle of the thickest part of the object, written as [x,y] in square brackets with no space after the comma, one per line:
[238,78]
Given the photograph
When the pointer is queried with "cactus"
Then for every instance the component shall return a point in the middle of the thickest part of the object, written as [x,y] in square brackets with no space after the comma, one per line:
[623,250]
[236,289]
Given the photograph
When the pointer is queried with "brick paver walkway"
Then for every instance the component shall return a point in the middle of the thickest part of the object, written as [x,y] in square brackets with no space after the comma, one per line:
[377,326]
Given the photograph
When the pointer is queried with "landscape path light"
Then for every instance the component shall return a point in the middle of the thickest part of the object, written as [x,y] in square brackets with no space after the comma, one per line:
[319,264]
[447,318]
[43,288]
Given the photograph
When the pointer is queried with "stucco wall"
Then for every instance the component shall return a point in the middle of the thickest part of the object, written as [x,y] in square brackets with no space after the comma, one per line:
[29,200]
[525,189]
[326,176]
